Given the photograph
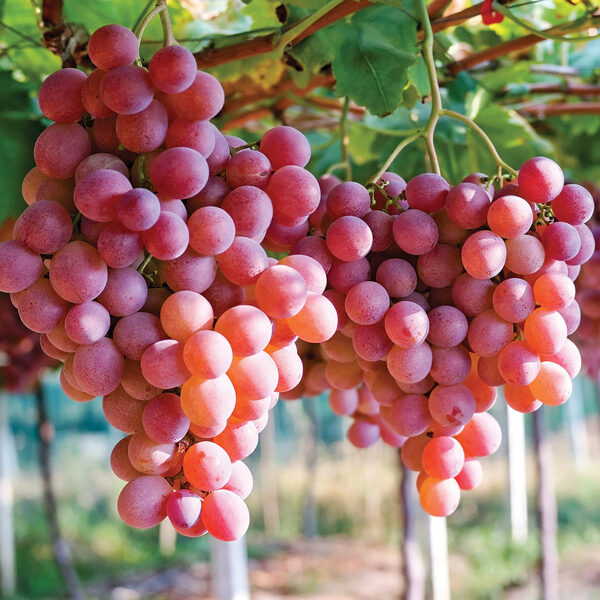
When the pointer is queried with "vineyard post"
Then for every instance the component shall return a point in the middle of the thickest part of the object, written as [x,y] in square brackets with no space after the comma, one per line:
[7,535]
[268,479]
[577,427]
[438,557]
[547,513]
[517,474]
[413,569]
[229,569]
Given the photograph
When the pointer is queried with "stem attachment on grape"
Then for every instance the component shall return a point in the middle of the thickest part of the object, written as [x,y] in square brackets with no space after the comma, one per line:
[144,264]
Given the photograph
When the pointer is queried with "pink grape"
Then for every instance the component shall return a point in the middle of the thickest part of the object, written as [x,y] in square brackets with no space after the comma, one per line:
[408,415]
[348,198]
[311,270]
[91,97]
[135,332]
[540,180]
[241,481]
[367,303]
[145,130]
[488,333]
[409,365]
[60,148]
[545,330]
[440,267]
[77,272]
[363,433]
[284,146]
[427,192]
[172,69]
[518,363]
[247,329]
[316,322]
[143,501]
[125,292]
[197,135]
[524,254]
[163,366]
[254,376]
[280,238]
[98,367]
[481,436]
[60,96]
[250,208]
[190,271]
[239,439]
[574,204]
[163,419]
[472,296]
[406,324]
[98,194]
[381,225]
[222,294]
[415,232]
[243,261]
[371,342]
[148,456]
[294,192]
[470,475]
[514,300]
[510,216]
[225,515]
[168,238]
[183,506]
[112,46]
[439,497]
[483,254]
[452,405]
[212,194]
[447,326]
[587,246]
[248,167]
[219,157]
[119,461]
[467,205]
[443,458]
[179,172]
[344,275]
[561,241]
[118,246]
[20,267]
[280,291]
[568,357]
[349,238]
[138,209]
[87,323]
[202,100]
[184,313]
[207,354]
[122,411]
[208,402]
[41,309]
[450,366]
[397,276]
[134,383]
[553,385]
[554,291]
[100,160]
[207,466]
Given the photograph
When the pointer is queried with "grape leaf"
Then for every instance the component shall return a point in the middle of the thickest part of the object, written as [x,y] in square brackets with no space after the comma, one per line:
[371,59]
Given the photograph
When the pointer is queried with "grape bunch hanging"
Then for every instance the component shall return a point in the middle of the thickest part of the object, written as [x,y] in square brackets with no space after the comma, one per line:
[141,260]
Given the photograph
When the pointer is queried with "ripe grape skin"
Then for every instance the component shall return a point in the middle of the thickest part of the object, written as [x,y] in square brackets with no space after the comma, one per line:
[60,148]
[134,333]
[408,415]
[239,439]
[208,402]
[406,324]
[163,419]
[481,436]
[443,457]
[518,363]
[587,248]
[317,321]
[125,292]
[294,192]
[119,461]
[20,267]
[470,476]
[212,194]
[243,261]
[135,384]
[554,291]
[289,366]
[451,405]
[561,241]
[248,167]
[179,172]
[568,357]
[190,271]
[97,195]
[207,466]
[241,481]
[197,135]
[77,272]
[41,309]
[513,300]
[367,303]
[540,180]
[410,365]
[371,342]
[440,267]
[98,367]
[138,209]
[91,97]
[183,506]
[348,198]
[59,96]
[415,232]
[447,326]
[363,433]
[122,411]
[251,210]
[397,276]
[127,90]
[472,296]
[574,204]
[220,155]
[310,269]
[545,330]
[100,160]
[488,333]
[427,192]
[467,205]
[483,254]
[112,46]
[148,456]
[87,323]
[254,376]
[247,329]
[31,182]
[202,100]
[119,247]
[172,69]
[510,216]
[524,254]
[344,275]
[168,238]
[184,313]
[281,238]
[143,131]
[162,364]
[284,146]
[381,225]
[485,395]
[280,291]
[349,238]
[142,502]
[450,366]
[439,497]
[207,354]
[225,515]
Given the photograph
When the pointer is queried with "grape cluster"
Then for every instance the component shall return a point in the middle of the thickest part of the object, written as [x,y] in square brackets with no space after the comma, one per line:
[443,294]
[142,262]
[170,310]
[588,296]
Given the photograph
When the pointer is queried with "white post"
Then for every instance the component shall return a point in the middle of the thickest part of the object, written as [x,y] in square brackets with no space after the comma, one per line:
[517,474]
[7,534]
[230,570]
[438,554]
[167,538]
[577,427]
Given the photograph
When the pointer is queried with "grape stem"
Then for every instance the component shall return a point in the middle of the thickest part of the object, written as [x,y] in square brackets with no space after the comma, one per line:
[436,98]
[144,263]
[162,10]
[345,139]
[405,142]
[499,162]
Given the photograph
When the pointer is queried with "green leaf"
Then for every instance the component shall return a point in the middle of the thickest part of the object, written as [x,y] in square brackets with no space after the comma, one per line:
[372,56]
[419,78]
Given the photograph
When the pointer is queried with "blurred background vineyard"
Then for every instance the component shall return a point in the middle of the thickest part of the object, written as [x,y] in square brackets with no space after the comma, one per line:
[325,521]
